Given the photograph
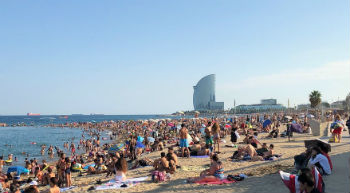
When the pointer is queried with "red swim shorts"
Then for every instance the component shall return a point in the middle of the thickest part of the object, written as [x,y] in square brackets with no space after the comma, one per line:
[338,130]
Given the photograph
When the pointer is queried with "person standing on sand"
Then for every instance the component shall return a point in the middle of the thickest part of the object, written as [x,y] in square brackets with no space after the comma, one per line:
[208,137]
[2,162]
[183,140]
[216,136]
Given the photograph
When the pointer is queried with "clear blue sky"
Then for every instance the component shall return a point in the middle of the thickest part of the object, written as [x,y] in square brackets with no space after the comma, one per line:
[143,57]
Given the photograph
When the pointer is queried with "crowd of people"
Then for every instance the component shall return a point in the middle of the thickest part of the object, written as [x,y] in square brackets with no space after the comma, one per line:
[180,137]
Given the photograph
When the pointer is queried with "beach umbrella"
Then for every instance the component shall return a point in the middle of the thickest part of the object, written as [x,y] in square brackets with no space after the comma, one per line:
[116,148]
[171,124]
[151,139]
[227,126]
[266,123]
[18,169]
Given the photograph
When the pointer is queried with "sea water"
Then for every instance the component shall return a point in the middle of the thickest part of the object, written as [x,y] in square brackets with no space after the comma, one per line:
[26,142]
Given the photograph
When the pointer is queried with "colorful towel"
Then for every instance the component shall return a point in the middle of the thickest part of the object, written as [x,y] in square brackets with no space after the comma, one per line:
[224,181]
[200,156]
[193,168]
[112,184]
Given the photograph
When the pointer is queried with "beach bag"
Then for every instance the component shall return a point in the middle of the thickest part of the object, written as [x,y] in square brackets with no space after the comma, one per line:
[333,139]
[292,183]
[158,176]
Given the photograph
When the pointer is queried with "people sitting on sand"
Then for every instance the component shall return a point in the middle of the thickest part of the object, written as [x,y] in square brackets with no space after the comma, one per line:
[320,161]
[172,165]
[307,182]
[247,152]
[161,164]
[39,175]
[121,168]
[47,176]
[53,186]
[215,172]
[171,151]
[142,163]
[262,150]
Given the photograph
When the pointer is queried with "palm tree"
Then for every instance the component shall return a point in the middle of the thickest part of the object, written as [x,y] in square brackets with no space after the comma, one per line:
[315,98]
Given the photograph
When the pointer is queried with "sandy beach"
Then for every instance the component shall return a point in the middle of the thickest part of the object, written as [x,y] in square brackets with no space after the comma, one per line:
[263,175]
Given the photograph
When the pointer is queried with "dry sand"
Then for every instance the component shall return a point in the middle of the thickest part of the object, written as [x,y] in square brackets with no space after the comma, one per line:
[264,176]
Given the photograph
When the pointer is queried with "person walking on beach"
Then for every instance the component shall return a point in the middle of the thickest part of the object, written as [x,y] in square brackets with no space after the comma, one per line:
[183,140]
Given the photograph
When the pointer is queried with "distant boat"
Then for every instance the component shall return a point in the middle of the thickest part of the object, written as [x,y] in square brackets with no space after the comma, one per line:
[77,114]
[33,114]
[95,114]
[63,117]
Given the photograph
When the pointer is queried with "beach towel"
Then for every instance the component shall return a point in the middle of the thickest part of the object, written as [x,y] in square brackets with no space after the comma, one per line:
[113,184]
[273,158]
[292,183]
[193,168]
[200,156]
[87,166]
[217,181]
[67,188]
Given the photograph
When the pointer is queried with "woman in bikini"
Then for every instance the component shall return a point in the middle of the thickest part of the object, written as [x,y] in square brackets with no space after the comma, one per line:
[216,135]
[214,173]
[121,168]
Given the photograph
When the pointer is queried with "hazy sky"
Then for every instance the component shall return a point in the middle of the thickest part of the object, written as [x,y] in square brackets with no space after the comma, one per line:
[144,57]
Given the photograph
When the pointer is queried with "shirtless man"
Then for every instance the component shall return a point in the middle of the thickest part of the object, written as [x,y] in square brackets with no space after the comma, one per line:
[208,136]
[161,164]
[174,156]
[183,140]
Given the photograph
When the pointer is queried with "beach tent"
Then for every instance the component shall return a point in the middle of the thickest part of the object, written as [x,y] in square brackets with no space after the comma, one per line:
[18,169]
[266,123]
[116,148]
[292,183]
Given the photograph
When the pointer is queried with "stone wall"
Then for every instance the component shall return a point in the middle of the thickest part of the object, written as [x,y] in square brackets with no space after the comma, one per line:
[319,128]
